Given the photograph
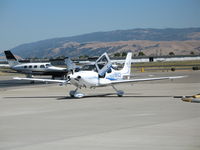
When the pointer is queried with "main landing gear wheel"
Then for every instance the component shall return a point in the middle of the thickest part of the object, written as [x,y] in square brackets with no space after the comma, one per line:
[119,92]
[76,94]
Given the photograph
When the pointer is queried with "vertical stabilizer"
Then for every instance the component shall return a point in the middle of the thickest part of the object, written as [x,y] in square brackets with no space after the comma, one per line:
[12,61]
[126,71]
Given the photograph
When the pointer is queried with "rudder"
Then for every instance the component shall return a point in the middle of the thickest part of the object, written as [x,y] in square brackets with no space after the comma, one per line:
[126,71]
[12,61]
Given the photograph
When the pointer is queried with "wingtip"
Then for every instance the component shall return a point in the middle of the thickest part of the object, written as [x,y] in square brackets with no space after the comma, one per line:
[178,77]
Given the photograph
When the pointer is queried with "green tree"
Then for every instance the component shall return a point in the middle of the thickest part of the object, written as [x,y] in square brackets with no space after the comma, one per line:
[191,53]
[124,54]
[141,54]
[171,54]
[117,55]
[83,56]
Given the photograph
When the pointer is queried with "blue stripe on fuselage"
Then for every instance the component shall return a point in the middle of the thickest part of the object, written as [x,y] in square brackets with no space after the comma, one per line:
[114,76]
[111,79]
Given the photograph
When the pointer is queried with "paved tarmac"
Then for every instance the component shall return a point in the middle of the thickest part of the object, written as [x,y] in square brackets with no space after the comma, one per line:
[44,117]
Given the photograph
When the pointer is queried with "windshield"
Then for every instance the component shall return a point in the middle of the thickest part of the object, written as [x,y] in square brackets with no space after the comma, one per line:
[88,68]
[48,65]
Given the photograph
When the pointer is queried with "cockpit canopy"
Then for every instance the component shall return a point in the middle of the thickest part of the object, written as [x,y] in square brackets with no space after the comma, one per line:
[89,68]
[92,67]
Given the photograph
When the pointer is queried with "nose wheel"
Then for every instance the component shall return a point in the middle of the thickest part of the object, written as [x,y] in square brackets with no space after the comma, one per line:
[76,94]
[120,93]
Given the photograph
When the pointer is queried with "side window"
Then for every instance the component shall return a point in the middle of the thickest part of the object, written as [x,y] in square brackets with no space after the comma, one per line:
[30,66]
[109,71]
[35,66]
[48,65]
[42,66]
[25,66]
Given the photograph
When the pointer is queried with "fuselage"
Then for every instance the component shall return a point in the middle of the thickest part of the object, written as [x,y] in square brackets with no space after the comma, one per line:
[91,79]
[38,69]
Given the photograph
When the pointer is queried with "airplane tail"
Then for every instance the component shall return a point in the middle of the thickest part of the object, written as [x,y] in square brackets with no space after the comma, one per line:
[126,70]
[12,61]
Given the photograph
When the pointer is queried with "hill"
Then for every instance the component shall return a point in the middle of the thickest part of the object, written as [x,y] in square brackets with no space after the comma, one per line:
[151,41]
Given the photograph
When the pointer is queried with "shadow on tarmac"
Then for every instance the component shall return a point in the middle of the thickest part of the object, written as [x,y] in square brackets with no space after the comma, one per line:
[92,96]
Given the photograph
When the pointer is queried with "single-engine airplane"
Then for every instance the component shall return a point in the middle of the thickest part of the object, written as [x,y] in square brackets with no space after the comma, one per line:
[100,74]
[31,69]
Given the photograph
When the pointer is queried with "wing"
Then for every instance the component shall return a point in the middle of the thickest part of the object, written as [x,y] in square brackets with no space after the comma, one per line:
[4,65]
[145,79]
[41,80]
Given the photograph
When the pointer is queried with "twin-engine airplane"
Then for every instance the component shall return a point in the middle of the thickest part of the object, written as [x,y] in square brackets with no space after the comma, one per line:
[31,69]
[100,74]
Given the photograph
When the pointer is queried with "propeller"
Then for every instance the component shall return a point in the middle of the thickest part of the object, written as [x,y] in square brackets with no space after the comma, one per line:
[66,81]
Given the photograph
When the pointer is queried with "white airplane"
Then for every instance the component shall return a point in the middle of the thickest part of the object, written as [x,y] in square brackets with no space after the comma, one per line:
[99,75]
[31,69]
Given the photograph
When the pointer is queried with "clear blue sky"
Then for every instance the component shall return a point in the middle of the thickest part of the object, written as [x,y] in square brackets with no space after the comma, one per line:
[24,21]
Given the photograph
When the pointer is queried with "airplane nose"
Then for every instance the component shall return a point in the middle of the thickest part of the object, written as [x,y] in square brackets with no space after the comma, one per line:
[78,78]
[68,78]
